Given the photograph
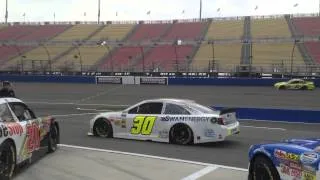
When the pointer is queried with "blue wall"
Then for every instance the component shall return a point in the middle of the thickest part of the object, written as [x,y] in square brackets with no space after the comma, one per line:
[288,115]
[48,79]
[229,81]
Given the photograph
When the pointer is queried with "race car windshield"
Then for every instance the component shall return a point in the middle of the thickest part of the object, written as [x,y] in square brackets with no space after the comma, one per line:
[201,108]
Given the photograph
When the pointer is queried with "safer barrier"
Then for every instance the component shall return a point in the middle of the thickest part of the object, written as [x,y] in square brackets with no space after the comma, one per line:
[229,81]
[48,79]
[284,115]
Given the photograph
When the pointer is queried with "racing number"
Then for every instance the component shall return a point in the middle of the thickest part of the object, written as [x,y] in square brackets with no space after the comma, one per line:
[33,137]
[143,125]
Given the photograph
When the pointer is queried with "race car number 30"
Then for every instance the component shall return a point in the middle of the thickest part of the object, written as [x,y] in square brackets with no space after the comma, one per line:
[33,137]
[143,125]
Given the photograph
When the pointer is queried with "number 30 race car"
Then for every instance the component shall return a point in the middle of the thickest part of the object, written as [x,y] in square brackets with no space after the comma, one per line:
[167,120]
[294,159]
[22,134]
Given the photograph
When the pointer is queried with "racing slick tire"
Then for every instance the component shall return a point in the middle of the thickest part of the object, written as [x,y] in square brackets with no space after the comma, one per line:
[53,139]
[282,88]
[7,160]
[263,168]
[303,88]
[181,134]
[103,128]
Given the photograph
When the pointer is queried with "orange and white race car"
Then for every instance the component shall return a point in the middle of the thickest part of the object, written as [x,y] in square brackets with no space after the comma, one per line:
[22,134]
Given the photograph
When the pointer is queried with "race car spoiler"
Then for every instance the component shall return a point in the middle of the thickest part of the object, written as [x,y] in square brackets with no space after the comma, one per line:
[227,110]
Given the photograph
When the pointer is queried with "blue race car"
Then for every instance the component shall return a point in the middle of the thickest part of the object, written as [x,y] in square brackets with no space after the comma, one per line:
[291,159]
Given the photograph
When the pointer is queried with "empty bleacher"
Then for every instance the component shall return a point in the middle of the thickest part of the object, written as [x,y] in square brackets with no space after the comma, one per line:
[16,32]
[119,60]
[273,27]
[266,55]
[115,32]
[185,31]
[313,49]
[308,26]
[226,56]
[45,32]
[7,52]
[77,32]
[227,29]
[164,57]
[149,32]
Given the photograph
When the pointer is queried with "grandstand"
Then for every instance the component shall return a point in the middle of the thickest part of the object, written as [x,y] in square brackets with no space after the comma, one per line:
[134,45]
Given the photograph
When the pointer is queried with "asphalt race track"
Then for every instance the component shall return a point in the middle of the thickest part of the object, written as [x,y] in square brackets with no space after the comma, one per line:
[74,104]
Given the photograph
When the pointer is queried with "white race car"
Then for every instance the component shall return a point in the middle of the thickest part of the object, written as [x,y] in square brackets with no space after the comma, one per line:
[175,121]
[22,135]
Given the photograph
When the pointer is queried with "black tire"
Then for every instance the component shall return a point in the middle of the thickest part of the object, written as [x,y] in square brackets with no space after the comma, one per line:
[282,88]
[102,128]
[7,160]
[181,134]
[304,88]
[263,169]
[53,138]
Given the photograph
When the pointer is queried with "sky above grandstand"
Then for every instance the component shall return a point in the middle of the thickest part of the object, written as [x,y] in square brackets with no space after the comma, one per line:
[86,10]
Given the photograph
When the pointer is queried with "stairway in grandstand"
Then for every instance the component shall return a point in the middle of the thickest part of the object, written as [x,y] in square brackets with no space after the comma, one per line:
[246,46]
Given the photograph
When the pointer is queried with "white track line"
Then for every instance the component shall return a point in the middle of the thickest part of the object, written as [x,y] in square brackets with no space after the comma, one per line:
[201,173]
[153,157]
[99,94]
[269,128]
[85,109]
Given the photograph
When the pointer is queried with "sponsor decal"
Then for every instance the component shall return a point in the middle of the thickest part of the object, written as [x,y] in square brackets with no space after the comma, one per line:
[33,137]
[290,171]
[309,168]
[309,157]
[185,118]
[120,122]
[209,133]
[164,134]
[150,80]
[308,176]
[109,80]
[285,155]
[11,129]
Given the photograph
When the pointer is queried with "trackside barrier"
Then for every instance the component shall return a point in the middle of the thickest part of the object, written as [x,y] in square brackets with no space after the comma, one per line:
[48,79]
[229,81]
[285,115]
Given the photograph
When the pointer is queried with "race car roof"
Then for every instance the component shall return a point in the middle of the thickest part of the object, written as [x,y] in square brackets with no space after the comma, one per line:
[170,100]
[8,99]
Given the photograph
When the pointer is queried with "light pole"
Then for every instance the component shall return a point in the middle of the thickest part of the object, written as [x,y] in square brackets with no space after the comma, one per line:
[80,57]
[99,3]
[292,53]
[6,15]
[142,53]
[105,45]
[48,54]
[200,12]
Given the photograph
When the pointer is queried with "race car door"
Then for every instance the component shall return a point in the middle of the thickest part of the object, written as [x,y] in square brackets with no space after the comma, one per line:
[32,129]
[143,120]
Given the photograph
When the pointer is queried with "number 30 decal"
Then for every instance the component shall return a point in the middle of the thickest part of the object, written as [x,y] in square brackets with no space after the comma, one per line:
[143,125]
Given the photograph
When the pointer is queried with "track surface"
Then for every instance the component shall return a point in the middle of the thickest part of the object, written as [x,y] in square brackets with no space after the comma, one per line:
[64,101]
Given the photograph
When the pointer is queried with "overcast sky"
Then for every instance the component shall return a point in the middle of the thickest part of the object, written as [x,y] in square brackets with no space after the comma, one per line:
[86,10]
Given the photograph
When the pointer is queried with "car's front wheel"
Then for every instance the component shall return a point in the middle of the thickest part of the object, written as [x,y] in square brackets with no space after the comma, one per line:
[181,134]
[102,128]
[7,160]
[262,168]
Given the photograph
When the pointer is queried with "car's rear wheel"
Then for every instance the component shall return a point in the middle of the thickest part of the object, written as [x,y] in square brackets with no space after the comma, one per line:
[304,88]
[102,128]
[53,139]
[7,160]
[181,134]
[263,169]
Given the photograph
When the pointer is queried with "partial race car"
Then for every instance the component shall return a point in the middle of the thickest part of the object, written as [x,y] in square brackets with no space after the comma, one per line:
[297,84]
[293,159]
[175,121]
[22,134]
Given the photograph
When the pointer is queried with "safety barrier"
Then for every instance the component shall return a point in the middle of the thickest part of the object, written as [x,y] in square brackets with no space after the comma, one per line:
[48,79]
[284,115]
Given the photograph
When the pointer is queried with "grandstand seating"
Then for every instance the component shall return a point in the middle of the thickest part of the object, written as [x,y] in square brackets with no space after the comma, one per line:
[313,49]
[227,56]
[77,32]
[270,28]
[149,32]
[307,25]
[276,53]
[89,56]
[185,31]
[7,52]
[17,31]
[119,59]
[44,32]
[225,29]
[164,57]
[113,32]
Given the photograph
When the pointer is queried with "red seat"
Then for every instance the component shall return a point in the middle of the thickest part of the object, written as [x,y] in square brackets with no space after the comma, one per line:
[149,32]
[313,49]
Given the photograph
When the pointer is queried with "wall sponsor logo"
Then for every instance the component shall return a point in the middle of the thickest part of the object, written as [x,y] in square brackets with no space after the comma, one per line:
[11,129]
[109,80]
[309,157]
[185,119]
[150,80]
